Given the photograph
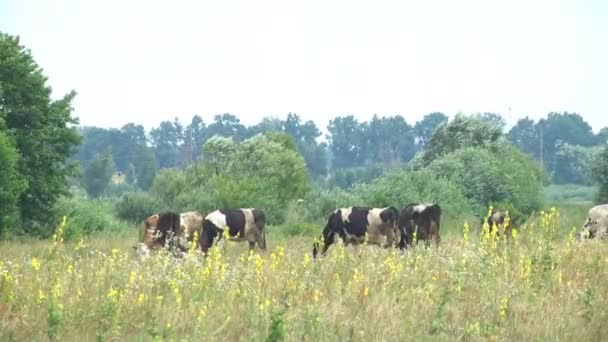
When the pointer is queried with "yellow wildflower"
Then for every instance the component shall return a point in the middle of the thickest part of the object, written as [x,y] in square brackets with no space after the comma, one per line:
[35,264]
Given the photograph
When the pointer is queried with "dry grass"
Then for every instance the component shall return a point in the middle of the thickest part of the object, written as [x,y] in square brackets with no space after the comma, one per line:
[537,286]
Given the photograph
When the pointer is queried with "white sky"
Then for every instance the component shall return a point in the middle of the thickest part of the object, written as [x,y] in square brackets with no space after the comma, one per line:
[148,61]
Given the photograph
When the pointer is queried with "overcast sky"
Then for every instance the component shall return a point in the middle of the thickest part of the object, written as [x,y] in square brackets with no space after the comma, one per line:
[148,61]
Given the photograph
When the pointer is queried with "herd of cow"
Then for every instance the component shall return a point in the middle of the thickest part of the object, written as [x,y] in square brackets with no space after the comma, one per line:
[384,227]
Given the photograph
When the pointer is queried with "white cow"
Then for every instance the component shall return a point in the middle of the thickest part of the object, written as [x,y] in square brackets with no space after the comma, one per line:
[596,224]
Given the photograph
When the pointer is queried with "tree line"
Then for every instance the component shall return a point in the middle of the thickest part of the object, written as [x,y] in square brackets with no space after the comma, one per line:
[43,152]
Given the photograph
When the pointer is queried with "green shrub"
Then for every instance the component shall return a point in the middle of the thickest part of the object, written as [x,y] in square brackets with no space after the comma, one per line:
[569,193]
[136,206]
[487,176]
[401,188]
[85,217]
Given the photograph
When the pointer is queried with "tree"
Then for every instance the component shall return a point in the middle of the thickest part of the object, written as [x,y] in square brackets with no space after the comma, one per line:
[426,127]
[491,176]
[346,142]
[145,168]
[11,185]
[560,128]
[39,128]
[389,140]
[602,136]
[463,131]
[265,170]
[600,174]
[525,135]
[573,164]
[493,119]
[166,141]
[228,125]
[98,174]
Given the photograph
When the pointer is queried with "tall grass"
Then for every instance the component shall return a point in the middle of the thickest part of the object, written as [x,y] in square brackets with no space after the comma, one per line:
[538,285]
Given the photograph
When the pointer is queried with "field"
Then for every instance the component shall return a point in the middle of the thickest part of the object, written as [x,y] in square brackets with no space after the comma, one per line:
[540,284]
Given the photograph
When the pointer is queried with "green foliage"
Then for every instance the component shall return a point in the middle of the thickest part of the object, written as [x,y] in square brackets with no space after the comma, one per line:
[486,176]
[463,131]
[259,171]
[570,193]
[347,177]
[401,188]
[85,217]
[98,174]
[11,184]
[166,141]
[600,174]
[168,184]
[525,135]
[40,129]
[573,164]
[145,168]
[426,127]
[135,207]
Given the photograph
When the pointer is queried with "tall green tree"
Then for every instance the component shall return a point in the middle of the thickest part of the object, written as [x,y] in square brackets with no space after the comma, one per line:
[40,128]
[11,184]
[573,164]
[462,131]
[389,140]
[560,128]
[145,168]
[600,174]
[98,174]
[425,128]
[525,135]
[166,141]
[346,142]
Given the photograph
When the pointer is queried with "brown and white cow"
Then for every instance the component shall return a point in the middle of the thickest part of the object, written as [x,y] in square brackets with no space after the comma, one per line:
[352,224]
[169,228]
[245,224]
[497,219]
[423,219]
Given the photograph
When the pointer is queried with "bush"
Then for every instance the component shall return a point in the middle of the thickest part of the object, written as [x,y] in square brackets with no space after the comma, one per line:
[317,206]
[136,206]
[569,193]
[487,176]
[85,217]
[168,184]
[400,188]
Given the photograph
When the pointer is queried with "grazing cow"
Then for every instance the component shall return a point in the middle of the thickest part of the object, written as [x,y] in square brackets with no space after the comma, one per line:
[353,223]
[424,219]
[242,224]
[169,227]
[497,219]
[596,224]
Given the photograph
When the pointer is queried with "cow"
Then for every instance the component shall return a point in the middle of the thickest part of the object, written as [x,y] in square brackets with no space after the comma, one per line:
[353,224]
[596,224]
[244,224]
[423,219]
[169,228]
[497,219]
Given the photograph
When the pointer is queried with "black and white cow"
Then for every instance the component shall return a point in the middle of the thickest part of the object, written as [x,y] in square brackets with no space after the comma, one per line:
[242,224]
[422,218]
[353,223]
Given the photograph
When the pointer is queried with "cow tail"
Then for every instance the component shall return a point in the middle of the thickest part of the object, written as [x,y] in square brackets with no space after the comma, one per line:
[264,239]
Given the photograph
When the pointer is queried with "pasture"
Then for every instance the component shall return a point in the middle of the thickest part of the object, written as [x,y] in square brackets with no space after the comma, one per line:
[540,284]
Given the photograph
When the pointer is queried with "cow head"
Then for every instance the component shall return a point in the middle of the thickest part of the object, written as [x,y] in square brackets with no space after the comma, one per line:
[208,234]
[148,239]
[589,230]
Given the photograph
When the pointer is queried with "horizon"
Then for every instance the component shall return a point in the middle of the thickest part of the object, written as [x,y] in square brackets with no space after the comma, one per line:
[150,62]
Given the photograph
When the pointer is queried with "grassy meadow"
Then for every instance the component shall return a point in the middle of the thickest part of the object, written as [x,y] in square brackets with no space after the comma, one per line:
[539,285]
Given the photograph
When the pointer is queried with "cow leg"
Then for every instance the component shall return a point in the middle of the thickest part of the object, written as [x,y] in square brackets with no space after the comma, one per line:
[251,245]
